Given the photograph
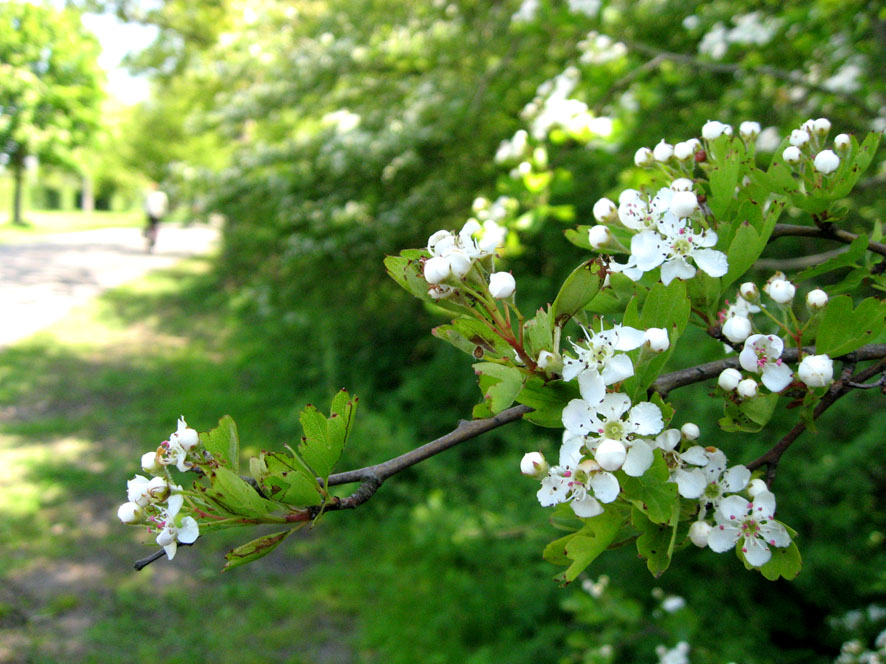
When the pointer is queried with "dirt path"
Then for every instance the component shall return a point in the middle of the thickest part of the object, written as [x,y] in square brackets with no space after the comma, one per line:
[42,280]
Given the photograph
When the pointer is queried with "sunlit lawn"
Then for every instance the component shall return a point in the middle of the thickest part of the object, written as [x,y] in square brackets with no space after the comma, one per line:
[79,403]
[44,222]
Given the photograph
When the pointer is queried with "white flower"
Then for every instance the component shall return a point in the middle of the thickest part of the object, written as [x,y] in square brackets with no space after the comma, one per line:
[130,513]
[690,481]
[583,483]
[791,154]
[821,126]
[719,481]
[826,162]
[699,533]
[799,138]
[749,291]
[638,215]
[644,157]
[437,270]
[605,211]
[713,129]
[749,524]
[171,534]
[533,464]
[501,285]
[681,184]
[749,130]
[656,339]
[816,299]
[599,236]
[780,289]
[690,431]
[762,354]
[143,491]
[684,150]
[185,436]
[683,204]
[747,388]
[737,329]
[729,379]
[842,142]
[150,462]
[599,364]
[816,370]
[663,151]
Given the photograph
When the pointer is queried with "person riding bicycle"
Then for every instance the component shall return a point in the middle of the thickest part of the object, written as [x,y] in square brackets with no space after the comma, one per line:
[156,204]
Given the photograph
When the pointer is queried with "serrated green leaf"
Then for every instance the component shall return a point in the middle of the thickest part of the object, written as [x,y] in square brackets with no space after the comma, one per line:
[842,330]
[288,482]
[464,333]
[577,291]
[223,443]
[744,250]
[499,383]
[547,399]
[749,415]
[583,547]
[785,563]
[656,541]
[727,153]
[257,548]
[538,332]
[236,496]
[651,493]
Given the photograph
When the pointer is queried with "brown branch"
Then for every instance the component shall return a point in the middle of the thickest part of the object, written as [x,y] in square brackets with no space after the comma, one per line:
[827,232]
[839,389]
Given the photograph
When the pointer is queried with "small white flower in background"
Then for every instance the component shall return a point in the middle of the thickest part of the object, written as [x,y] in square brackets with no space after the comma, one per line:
[644,157]
[749,130]
[681,184]
[130,513]
[780,289]
[673,603]
[605,211]
[762,354]
[656,339]
[690,431]
[684,151]
[699,533]
[791,154]
[729,379]
[663,151]
[842,142]
[751,525]
[679,654]
[799,138]
[599,236]
[816,299]
[713,129]
[501,285]
[683,204]
[720,481]
[821,126]
[737,329]
[749,291]
[826,162]
[747,388]
[816,370]
[533,464]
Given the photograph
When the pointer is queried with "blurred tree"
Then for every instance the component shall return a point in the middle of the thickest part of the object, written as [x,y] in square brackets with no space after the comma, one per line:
[50,87]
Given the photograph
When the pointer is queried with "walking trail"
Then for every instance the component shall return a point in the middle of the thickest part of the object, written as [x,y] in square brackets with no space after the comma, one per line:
[42,280]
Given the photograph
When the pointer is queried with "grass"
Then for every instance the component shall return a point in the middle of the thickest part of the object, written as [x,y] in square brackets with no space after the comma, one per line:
[44,222]
[80,403]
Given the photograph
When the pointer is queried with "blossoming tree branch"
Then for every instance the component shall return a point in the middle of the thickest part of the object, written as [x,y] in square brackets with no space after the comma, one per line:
[630,471]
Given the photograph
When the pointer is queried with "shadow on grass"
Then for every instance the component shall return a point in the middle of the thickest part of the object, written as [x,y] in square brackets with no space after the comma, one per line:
[78,407]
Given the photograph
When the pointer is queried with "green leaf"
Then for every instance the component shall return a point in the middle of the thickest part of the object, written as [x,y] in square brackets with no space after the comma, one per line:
[651,493]
[288,483]
[583,547]
[842,330]
[257,548]
[324,438]
[499,383]
[539,332]
[744,250]
[727,155]
[656,541]
[750,414]
[785,563]
[468,334]
[860,159]
[848,258]
[577,291]
[548,400]
[223,443]
[236,496]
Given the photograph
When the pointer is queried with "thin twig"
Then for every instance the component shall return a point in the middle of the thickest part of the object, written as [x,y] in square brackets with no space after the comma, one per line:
[800,262]
[828,232]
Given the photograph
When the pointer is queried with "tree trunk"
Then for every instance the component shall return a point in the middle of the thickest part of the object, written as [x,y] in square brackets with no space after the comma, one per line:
[87,196]
[18,176]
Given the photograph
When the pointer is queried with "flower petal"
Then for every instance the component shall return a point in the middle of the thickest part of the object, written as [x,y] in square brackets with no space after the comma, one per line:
[755,551]
[647,250]
[617,368]
[731,509]
[605,486]
[577,417]
[676,268]
[777,376]
[592,386]
[736,479]
[189,531]
[710,261]
[646,418]
[586,507]
[775,534]
[627,338]
[690,483]
[639,459]
[723,538]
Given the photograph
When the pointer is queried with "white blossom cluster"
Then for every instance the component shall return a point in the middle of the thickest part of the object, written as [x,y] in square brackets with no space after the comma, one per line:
[752,28]
[455,255]
[552,107]
[807,143]
[156,502]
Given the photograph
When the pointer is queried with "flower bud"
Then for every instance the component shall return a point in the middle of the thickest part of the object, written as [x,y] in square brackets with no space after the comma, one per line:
[437,270]
[684,151]
[756,487]
[791,154]
[158,489]
[605,211]
[610,454]
[151,462]
[533,464]
[826,162]
[799,138]
[549,362]
[699,533]
[749,291]
[737,329]
[130,513]
[816,299]
[644,157]
[747,389]
[683,204]
[628,195]
[781,290]
[656,339]
[842,143]
[459,263]
[821,126]
[663,151]
[502,285]
[749,130]
[690,431]
[816,370]
[599,236]
[729,379]
[188,438]
[714,129]
[681,184]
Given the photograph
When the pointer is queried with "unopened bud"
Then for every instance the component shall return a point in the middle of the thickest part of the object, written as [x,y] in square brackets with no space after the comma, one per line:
[756,487]
[799,138]
[713,129]
[605,211]
[130,513]
[699,533]
[826,162]
[791,154]
[683,204]
[690,431]
[663,151]
[681,184]
[747,389]
[151,462]
[749,130]
[549,362]
[749,291]
[816,370]
[599,236]
[533,464]
[816,299]
[684,151]
[656,339]
[644,157]
[502,285]
[781,290]
[821,126]
[729,379]
[437,270]
[842,143]
[737,329]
